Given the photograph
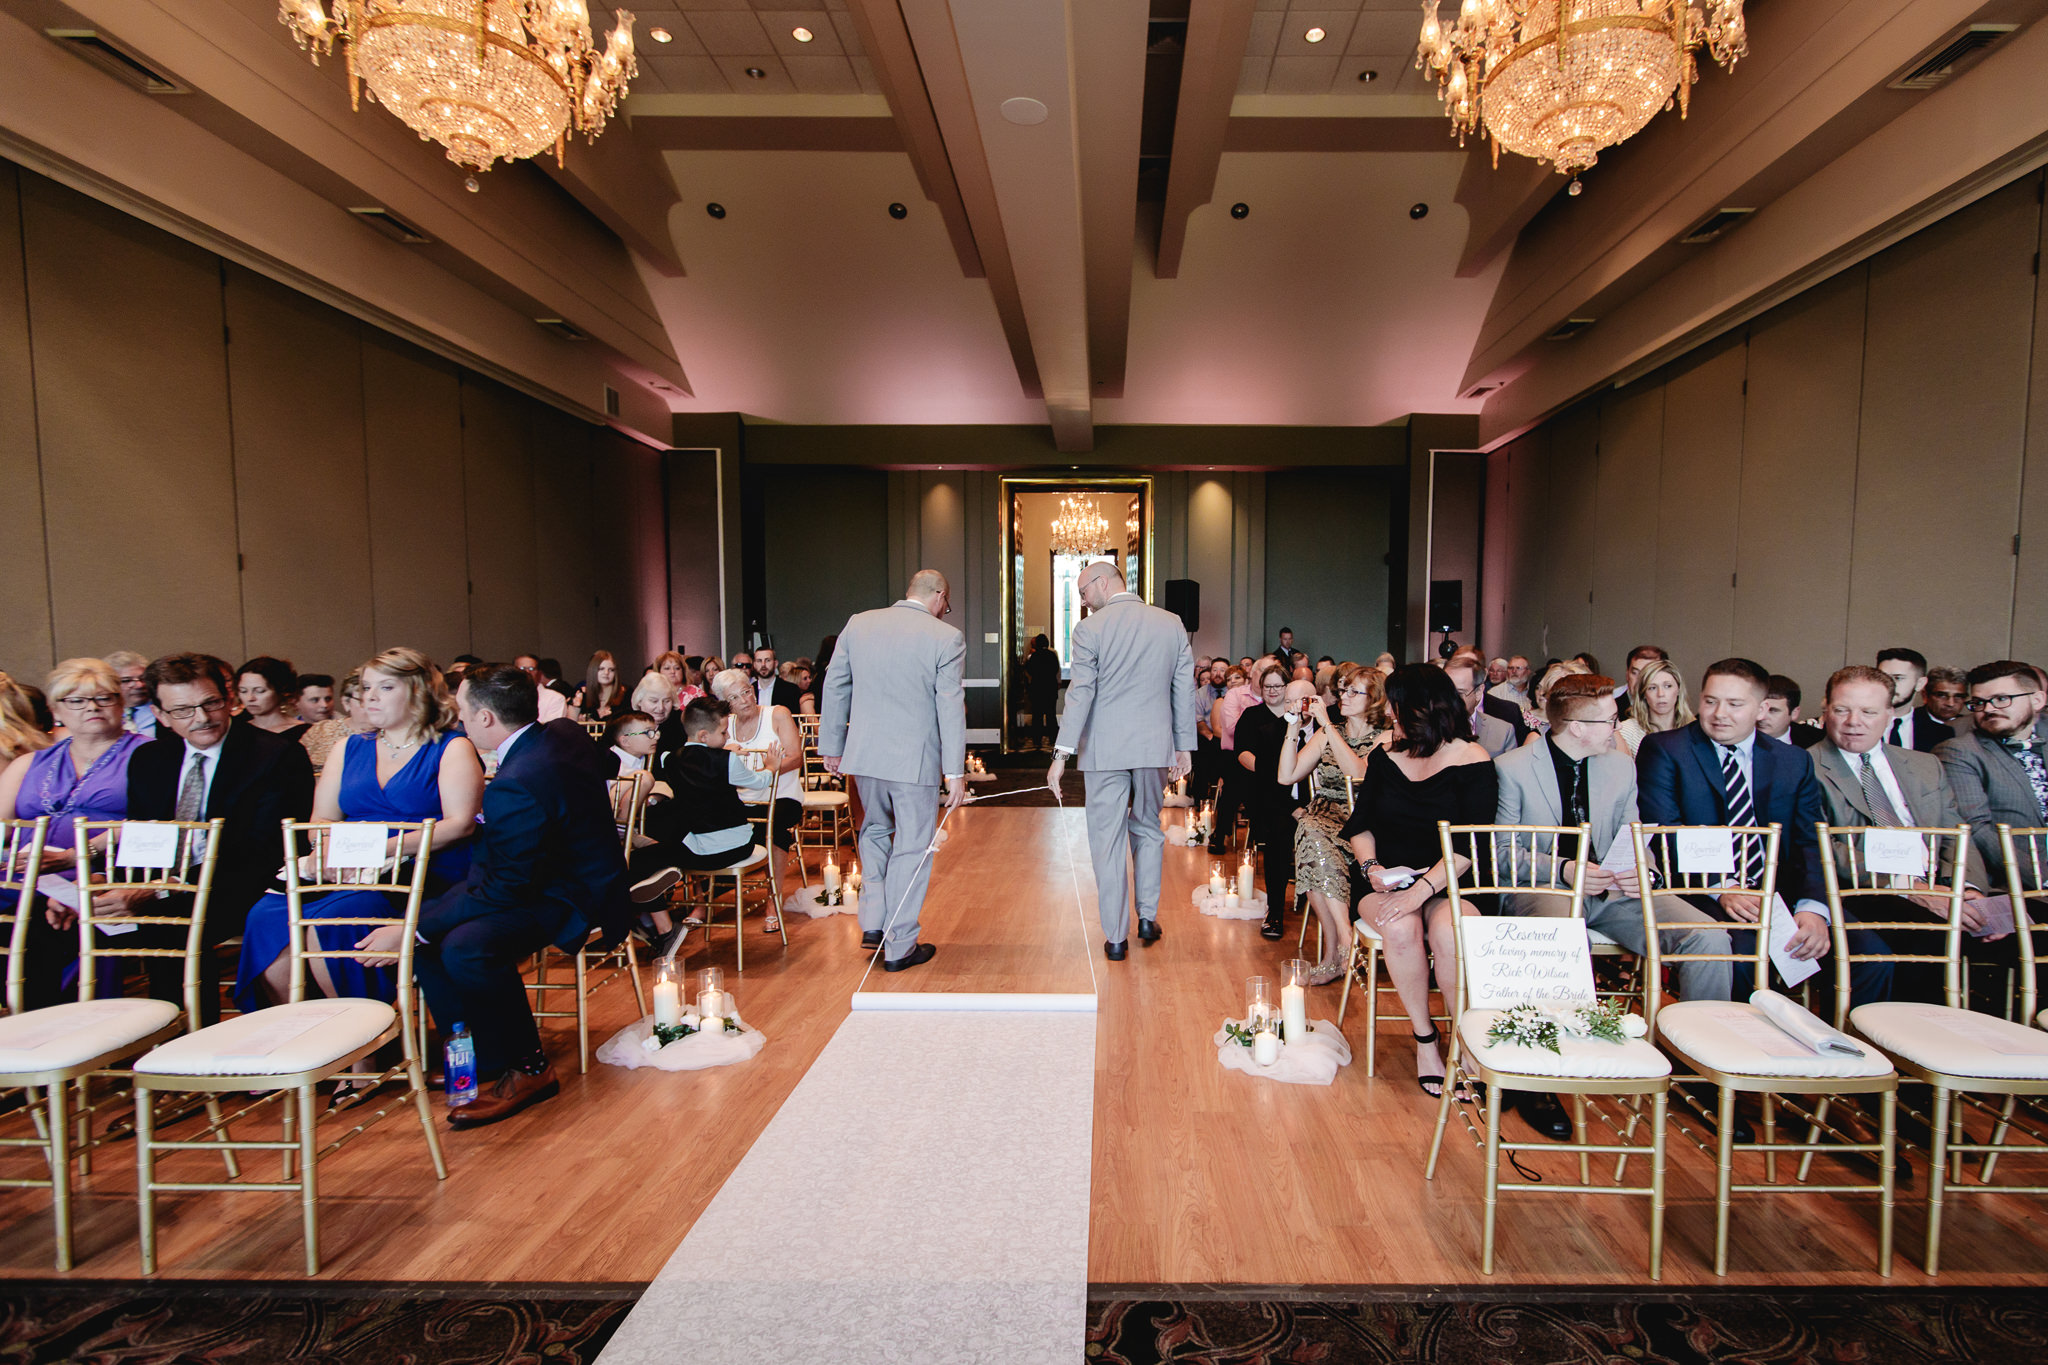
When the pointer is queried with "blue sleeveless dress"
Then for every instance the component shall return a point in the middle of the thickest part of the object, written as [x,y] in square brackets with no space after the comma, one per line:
[413,793]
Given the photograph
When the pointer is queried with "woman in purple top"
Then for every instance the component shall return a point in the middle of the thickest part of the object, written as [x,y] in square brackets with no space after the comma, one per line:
[85,774]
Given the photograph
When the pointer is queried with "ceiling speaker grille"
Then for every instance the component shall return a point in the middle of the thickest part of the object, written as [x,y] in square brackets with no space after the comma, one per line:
[117,61]
[1939,65]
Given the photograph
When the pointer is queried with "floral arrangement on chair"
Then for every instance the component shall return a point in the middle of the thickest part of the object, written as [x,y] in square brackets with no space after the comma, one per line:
[1537,1026]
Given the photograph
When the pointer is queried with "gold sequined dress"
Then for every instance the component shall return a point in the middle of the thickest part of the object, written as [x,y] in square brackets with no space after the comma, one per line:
[1322,861]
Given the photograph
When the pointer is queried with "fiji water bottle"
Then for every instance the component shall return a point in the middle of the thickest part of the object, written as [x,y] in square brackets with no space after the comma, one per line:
[461,1071]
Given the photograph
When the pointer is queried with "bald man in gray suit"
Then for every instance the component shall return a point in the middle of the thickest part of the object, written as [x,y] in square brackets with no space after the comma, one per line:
[894,717]
[1131,718]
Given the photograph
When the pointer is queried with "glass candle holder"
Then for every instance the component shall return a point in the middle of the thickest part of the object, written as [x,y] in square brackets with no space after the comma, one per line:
[1258,1001]
[711,1002]
[1294,998]
[668,994]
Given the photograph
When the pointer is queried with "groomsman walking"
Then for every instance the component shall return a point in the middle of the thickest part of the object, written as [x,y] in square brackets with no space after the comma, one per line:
[1130,718]
[894,717]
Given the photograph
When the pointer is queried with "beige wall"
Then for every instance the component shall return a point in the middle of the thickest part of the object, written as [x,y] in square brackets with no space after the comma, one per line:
[1845,473]
[197,457]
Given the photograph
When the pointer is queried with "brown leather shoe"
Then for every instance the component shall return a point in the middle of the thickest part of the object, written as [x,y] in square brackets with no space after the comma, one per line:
[506,1096]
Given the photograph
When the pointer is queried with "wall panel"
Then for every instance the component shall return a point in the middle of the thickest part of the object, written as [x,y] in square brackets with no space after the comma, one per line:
[1942,433]
[25,644]
[295,390]
[1625,504]
[828,554]
[2030,589]
[1326,574]
[569,524]
[132,414]
[497,473]
[1567,535]
[1799,482]
[419,521]
[1699,486]
[1527,483]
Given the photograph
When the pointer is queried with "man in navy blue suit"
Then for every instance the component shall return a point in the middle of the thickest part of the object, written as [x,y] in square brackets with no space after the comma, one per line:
[1719,771]
[547,868]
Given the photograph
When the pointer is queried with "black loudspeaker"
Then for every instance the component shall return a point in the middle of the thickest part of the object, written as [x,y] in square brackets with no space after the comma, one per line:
[1447,604]
[1184,599]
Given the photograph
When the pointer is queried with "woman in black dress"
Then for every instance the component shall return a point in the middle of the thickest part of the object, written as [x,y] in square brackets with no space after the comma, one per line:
[1432,771]
[1042,688]
[1261,734]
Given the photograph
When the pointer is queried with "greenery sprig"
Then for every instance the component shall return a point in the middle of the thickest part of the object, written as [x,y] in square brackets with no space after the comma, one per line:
[1534,1026]
[670,1033]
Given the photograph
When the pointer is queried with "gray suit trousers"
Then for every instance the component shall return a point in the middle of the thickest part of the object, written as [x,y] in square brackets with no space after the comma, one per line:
[1123,830]
[898,820]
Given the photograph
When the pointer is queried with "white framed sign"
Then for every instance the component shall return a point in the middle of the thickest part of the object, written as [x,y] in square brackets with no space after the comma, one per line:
[147,844]
[1706,852]
[357,846]
[1897,852]
[1526,960]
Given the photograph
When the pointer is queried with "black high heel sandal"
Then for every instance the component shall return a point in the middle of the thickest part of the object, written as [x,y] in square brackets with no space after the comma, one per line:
[1424,1040]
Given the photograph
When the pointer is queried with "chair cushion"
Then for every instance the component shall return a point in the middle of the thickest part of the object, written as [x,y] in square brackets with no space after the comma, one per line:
[1364,930]
[1956,1042]
[66,1035]
[822,800]
[1600,941]
[1583,1059]
[1740,1039]
[274,1042]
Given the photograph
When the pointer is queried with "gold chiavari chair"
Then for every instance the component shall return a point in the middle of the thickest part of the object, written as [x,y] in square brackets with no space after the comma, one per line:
[1736,1048]
[1961,1053]
[629,809]
[21,864]
[52,1048]
[287,1050]
[1516,860]
[753,861]
[826,802]
[594,728]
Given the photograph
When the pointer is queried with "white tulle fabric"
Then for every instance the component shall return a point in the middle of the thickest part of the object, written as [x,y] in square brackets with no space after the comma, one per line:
[1315,1060]
[633,1047]
[1255,908]
[810,900]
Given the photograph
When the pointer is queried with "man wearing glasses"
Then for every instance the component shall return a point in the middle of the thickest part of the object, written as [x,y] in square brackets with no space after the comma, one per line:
[136,713]
[1999,769]
[200,767]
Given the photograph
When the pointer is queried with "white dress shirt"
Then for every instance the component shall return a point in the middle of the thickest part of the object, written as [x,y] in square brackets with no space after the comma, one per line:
[764,691]
[1900,730]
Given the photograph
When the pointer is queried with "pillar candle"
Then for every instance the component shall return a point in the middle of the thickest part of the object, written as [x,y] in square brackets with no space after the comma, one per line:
[668,1003]
[1244,879]
[831,875]
[1265,1047]
[1230,900]
[1216,880]
[711,1007]
[853,879]
[1294,1012]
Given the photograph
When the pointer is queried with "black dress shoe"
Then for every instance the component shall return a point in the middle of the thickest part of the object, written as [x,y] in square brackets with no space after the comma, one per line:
[1116,951]
[1216,848]
[1542,1112]
[1273,927]
[916,957]
[870,938]
[1148,930]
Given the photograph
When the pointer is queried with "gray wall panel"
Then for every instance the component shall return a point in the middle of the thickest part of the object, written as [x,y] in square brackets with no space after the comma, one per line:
[828,554]
[419,522]
[25,643]
[2029,621]
[1326,575]
[497,477]
[1698,490]
[1626,499]
[1567,533]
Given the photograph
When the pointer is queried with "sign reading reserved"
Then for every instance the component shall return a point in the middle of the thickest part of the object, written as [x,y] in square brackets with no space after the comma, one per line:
[1513,961]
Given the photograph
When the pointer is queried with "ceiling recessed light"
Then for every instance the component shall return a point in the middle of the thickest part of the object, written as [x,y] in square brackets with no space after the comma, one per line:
[1240,210]
[1315,35]
[802,35]
[755,73]
[1368,76]
[661,35]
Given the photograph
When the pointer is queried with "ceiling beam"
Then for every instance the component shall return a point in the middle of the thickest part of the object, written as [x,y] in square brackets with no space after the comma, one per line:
[1109,104]
[1218,32]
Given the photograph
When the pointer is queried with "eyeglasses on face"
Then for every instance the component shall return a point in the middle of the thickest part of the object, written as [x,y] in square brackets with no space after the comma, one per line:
[636,734]
[1609,721]
[210,706]
[1357,691]
[101,702]
[1997,703]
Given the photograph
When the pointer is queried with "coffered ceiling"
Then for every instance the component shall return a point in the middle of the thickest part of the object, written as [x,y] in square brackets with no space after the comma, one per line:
[1056,212]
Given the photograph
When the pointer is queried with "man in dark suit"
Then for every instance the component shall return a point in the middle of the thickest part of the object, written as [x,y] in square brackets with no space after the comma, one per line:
[1912,726]
[770,688]
[1780,718]
[200,767]
[547,869]
[1720,771]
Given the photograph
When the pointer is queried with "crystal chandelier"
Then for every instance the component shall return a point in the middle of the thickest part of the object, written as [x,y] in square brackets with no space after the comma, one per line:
[487,79]
[1079,529]
[1559,80]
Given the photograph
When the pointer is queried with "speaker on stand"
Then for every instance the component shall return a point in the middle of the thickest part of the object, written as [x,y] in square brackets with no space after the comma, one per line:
[1183,597]
[1446,612]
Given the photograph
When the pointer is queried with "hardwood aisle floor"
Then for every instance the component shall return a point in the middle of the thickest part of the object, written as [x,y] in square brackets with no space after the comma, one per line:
[1200,1175]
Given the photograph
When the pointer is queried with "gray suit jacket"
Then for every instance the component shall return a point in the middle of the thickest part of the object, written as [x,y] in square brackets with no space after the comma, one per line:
[893,707]
[1991,789]
[1130,688]
[1929,802]
[1529,796]
[1495,735]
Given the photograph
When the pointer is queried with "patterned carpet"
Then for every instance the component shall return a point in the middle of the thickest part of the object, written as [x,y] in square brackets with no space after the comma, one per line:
[183,1323]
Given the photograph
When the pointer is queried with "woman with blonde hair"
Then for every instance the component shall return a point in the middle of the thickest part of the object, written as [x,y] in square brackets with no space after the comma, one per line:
[84,774]
[19,733]
[1326,755]
[602,693]
[1538,718]
[656,697]
[406,766]
[676,669]
[1656,702]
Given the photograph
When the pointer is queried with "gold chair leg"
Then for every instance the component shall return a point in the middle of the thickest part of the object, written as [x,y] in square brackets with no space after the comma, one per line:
[289,1114]
[1889,1180]
[1659,1111]
[1443,1118]
[581,967]
[633,974]
[1723,1175]
[1998,1133]
[1492,1173]
[1372,1008]
[1820,1116]
[416,1078]
[1771,1140]
[60,1172]
[309,1180]
[84,1139]
[145,1175]
[1344,996]
[1937,1176]
[739,924]
[1579,1138]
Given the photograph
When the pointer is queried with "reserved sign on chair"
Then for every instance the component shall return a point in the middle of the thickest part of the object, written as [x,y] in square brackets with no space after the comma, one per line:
[1511,960]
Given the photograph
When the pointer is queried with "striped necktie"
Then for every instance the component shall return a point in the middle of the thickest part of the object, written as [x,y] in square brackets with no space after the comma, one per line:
[1742,811]
[1881,812]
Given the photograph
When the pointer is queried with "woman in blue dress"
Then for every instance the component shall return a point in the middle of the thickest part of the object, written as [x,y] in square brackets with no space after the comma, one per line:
[406,767]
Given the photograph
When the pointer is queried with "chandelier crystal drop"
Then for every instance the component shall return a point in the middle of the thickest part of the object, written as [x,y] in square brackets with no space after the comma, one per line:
[489,80]
[1562,80]
[1080,528]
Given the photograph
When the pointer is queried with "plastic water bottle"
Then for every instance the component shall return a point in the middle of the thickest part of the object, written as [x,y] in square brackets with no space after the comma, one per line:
[461,1072]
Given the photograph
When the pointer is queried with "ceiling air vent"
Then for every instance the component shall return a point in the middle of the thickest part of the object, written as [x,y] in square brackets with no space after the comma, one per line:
[1480,390]
[1953,55]
[611,401]
[390,224]
[117,61]
[1569,328]
[1715,223]
[567,331]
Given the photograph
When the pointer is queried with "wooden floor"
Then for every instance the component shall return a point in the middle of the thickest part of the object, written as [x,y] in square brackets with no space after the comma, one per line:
[1200,1175]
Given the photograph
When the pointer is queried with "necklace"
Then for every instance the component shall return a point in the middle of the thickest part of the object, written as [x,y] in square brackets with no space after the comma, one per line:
[394,745]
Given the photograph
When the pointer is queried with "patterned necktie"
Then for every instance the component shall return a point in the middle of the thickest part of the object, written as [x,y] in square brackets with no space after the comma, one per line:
[2037,771]
[1881,812]
[192,802]
[1742,811]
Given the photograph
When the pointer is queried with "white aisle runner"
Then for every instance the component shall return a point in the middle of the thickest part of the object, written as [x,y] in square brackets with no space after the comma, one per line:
[921,1196]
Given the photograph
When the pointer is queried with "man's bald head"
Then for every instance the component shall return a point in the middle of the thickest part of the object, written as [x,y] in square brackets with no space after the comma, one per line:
[929,587]
[1098,582]
[1298,693]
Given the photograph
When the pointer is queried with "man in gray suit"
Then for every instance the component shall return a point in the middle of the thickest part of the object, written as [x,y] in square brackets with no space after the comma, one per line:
[894,717]
[1577,775]
[1999,770]
[1494,735]
[1131,717]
